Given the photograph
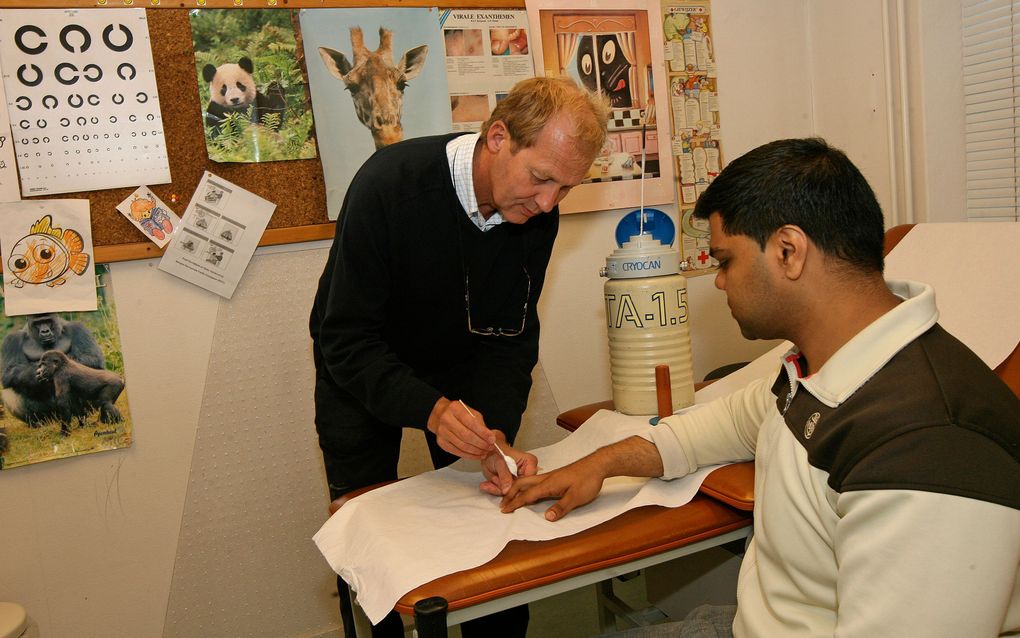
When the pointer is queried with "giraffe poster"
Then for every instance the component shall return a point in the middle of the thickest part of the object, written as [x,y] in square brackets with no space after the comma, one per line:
[354,117]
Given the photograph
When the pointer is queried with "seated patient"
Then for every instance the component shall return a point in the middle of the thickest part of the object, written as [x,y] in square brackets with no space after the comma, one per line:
[887,455]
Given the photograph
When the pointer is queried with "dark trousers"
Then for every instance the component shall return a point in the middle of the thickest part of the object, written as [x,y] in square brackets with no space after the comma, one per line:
[369,457]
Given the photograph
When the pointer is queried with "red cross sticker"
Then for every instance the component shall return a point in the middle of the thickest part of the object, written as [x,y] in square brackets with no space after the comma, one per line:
[703,256]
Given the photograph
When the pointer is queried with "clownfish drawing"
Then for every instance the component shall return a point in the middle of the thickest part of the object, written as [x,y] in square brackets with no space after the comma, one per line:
[46,254]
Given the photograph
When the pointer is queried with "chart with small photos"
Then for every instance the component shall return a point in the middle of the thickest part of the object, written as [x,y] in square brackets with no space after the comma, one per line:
[219,232]
[82,98]
[694,115]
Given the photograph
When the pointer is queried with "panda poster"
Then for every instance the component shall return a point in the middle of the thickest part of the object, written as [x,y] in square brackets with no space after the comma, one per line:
[615,47]
[255,104]
[82,99]
[63,383]
[377,76]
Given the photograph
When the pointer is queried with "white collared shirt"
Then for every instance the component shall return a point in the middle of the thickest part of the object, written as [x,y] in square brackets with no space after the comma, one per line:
[460,152]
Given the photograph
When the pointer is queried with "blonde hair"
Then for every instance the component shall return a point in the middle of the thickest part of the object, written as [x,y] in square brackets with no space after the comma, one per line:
[533,102]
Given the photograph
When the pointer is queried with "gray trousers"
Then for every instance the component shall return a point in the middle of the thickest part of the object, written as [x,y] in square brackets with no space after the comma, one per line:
[706,621]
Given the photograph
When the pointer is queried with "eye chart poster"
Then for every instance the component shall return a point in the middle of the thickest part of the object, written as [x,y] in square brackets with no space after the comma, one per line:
[47,253]
[81,95]
[9,191]
[218,235]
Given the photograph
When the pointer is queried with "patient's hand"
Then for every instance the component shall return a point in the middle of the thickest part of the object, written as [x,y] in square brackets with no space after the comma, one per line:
[580,482]
[575,485]
[498,478]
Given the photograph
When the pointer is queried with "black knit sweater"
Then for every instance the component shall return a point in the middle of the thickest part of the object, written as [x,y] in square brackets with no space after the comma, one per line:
[389,324]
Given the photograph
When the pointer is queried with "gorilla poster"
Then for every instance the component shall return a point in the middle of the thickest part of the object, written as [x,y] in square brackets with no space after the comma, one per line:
[63,387]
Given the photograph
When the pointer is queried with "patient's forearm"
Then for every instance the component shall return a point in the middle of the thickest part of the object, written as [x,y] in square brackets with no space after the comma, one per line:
[633,456]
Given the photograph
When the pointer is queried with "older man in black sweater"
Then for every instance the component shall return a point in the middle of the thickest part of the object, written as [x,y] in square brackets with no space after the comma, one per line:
[426,314]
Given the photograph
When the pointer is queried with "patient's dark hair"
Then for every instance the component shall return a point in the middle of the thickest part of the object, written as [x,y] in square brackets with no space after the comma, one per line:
[804,182]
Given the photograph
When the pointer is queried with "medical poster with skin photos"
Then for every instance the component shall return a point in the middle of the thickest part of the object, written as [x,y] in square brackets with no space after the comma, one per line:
[612,46]
[82,99]
[218,234]
[64,386]
[694,118]
[255,105]
[46,247]
[150,215]
[486,54]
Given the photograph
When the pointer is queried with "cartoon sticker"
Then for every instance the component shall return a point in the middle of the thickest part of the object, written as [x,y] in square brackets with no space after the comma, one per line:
[150,215]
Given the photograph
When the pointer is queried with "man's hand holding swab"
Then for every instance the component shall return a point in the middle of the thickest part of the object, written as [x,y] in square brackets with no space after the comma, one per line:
[502,464]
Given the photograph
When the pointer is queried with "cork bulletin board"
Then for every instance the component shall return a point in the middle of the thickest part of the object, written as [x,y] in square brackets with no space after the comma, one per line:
[296,187]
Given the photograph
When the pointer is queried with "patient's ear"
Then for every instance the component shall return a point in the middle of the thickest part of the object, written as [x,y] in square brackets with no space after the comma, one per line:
[791,250]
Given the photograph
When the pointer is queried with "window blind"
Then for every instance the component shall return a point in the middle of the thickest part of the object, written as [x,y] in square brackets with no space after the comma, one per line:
[991,88]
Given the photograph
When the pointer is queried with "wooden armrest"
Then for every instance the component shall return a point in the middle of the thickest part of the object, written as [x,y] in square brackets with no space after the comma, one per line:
[572,419]
[340,500]
[524,565]
[1009,371]
[732,484]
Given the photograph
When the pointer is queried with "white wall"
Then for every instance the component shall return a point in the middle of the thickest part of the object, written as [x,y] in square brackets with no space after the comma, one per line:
[156,539]
[89,542]
[849,98]
[935,58]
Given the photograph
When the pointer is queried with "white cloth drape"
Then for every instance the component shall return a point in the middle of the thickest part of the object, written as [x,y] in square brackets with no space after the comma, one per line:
[375,541]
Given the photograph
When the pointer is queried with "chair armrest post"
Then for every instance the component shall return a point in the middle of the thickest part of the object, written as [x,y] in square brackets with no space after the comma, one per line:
[430,617]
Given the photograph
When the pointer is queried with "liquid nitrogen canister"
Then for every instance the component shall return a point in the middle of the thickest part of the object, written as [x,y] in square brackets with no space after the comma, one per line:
[646,312]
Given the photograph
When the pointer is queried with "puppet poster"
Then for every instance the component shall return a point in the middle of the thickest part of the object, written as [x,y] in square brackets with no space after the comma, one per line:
[608,47]
[251,86]
[357,113]
[64,391]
